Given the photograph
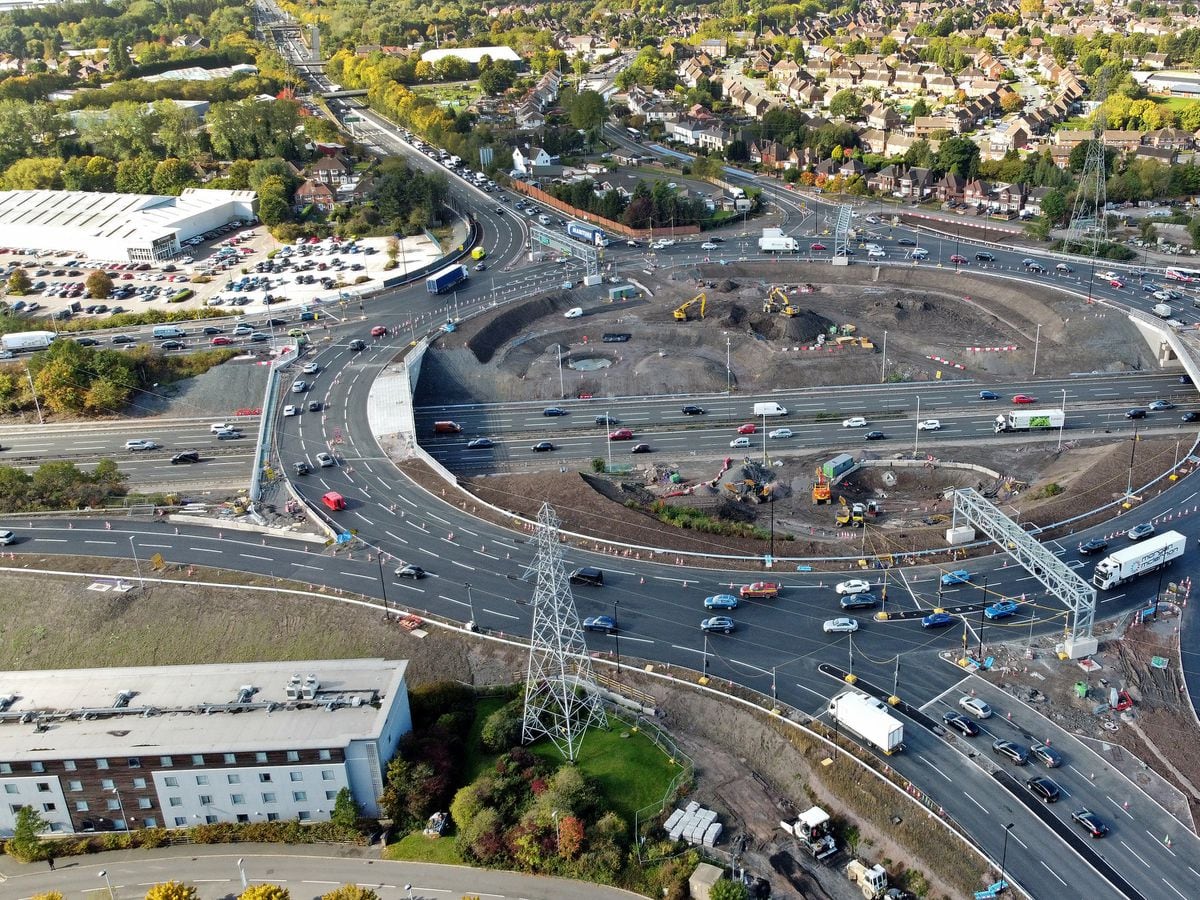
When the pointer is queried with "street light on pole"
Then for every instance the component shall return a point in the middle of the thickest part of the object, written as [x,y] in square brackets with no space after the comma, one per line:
[382,583]
[471,606]
[728,370]
[137,564]
[1037,339]
[917,430]
[607,427]
[617,635]
[562,391]
[103,873]
[883,365]
[1064,418]
[121,806]
[1004,851]
[242,872]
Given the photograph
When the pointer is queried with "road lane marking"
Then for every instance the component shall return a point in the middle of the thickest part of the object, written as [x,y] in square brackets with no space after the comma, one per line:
[252,556]
[488,555]
[1051,871]
[1136,854]
[359,575]
[502,615]
[463,565]
[204,550]
[110,543]
[1120,807]
[638,640]
[976,802]
[689,649]
[306,566]
[1172,887]
[935,768]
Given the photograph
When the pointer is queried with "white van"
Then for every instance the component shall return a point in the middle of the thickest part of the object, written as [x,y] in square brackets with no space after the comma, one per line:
[771,408]
[168,331]
[544,219]
[871,248]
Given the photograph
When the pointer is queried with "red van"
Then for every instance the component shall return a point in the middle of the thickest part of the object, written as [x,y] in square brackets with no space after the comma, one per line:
[446,428]
[378,331]
[334,501]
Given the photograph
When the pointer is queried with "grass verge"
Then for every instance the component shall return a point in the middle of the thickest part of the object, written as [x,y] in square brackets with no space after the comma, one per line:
[416,847]
[479,759]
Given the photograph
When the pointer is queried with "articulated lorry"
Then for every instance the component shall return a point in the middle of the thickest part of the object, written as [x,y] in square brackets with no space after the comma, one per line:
[1130,562]
[868,717]
[773,240]
[27,340]
[440,282]
[1030,420]
[589,234]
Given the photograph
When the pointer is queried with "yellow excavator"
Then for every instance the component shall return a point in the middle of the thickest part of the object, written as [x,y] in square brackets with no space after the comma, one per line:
[853,515]
[681,312]
[777,302]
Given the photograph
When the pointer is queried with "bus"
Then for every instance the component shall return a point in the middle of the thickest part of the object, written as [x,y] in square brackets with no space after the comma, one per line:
[1190,276]
[634,133]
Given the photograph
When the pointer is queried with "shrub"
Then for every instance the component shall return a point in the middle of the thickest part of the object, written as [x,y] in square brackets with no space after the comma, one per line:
[1053,489]
[362,279]
[185,294]
[598,466]
[502,729]
[172,890]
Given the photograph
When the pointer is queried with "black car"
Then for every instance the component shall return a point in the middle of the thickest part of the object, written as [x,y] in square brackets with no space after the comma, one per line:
[1190,416]
[1090,822]
[123,339]
[605,420]
[1046,755]
[693,410]
[605,624]
[1044,787]
[874,436]
[1095,545]
[314,405]
[906,242]
[213,329]
[276,323]
[616,337]
[542,447]
[1136,413]
[960,723]
[410,571]
[717,240]
[172,345]
[87,342]
[984,257]
[187,456]
[1014,751]
[357,345]
[481,444]
[640,448]
[301,468]
[864,600]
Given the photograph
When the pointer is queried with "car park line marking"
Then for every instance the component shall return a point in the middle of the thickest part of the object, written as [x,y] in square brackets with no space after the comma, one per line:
[1051,871]
[1136,854]
[936,769]
[1120,807]
[976,802]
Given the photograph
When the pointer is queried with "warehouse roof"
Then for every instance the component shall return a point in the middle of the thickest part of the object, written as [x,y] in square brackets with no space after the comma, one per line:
[472,54]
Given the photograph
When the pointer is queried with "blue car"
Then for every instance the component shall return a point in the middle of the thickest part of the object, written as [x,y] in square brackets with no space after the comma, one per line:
[958,576]
[1150,287]
[1001,609]
[937,620]
[721,601]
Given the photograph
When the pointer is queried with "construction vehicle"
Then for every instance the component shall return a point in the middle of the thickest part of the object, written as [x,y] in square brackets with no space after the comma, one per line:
[854,515]
[681,311]
[813,829]
[777,302]
[748,489]
[821,492]
[873,881]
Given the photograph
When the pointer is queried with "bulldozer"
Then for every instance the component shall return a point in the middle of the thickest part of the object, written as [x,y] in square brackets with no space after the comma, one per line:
[681,311]
[821,492]
[777,302]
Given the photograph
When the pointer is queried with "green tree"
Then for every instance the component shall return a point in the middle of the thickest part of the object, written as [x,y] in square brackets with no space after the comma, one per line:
[588,110]
[495,81]
[171,176]
[273,201]
[265,892]
[35,173]
[345,810]
[136,176]
[19,283]
[26,843]
[172,890]
[99,284]
[502,729]
[728,890]
[350,892]
[1054,206]
[919,109]
[178,129]
[846,104]
[959,155]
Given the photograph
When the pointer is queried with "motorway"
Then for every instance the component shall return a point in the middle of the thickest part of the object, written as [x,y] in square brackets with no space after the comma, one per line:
[479,571]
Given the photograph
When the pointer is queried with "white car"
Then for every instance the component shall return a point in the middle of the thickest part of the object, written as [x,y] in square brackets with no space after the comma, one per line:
[929,425]
[854,422]
[312,369]
[975,707]
[876,253]
[573,313]
[708,245]
[141,444]
[780,433]
[740,442]
[291,411]
[1110,274]
[853,586]
[840,626]
[324,460]
[919,254]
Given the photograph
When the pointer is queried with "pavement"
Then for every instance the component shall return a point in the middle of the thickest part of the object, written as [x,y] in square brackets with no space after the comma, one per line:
[307,871]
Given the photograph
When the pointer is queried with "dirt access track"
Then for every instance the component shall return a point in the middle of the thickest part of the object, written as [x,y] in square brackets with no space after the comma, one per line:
[512,354]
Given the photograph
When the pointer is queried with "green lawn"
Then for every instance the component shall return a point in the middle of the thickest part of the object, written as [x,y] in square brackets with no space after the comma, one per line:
[447,94]
[479,759]
[1178,104]
[631,770]
[415,847]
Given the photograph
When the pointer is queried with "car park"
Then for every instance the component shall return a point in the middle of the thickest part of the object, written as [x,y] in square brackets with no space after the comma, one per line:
[325,460]
[960,723]
[1090,822]
[1011,750]
[958,576]
[542,447]
[858,601]
[840,626]
[480,444]
[1046,755]
[605,624]
[853,586]
[1044,787]
[1001,609]
[409,570]
[721,601]
[187,456]
[874,436]
[937,620]
[723,624]
[854,422]
[929,425]
[1140,532]
[1093,545]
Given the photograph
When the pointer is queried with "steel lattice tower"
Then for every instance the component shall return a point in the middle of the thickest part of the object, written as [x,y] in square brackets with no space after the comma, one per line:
[1089,220]
[560,697]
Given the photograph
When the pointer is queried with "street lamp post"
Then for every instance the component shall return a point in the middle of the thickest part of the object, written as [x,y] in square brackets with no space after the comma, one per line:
[883,365]
[382,584]
[103,873]
[471,605]
[562,391]
[607,427]
[1037,339]
[728,370]
[1064,418]
[1004,851]
[774,695]
[121,806]
[981,611]
[137,564]
[242,872]
[917,430]
[617,635]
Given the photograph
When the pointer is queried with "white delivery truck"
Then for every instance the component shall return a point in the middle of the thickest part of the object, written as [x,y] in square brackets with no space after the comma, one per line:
[1130,562]
[868,718]
[770,408]
[1030,420]
[27,340]
[773,240]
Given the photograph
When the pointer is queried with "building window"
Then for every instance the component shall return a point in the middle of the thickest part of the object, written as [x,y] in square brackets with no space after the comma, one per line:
[237,799]
[37,767]
[11,789]
[107,784]
[234,779]
[150,822]
[231,759]
[201,779]
[206,799]
[175,801]
[197,759]
[325,754]
[16,807]
[299,796]
[139,784]
[242,817]
[5,768]
[102,763]
[268,797]
[75,785]
[166,762]
[210,820]
[48,807]
[81,806]
[264,777]
[272,817]
[303,815]
[260,757]
[145,803]
[331,795]
[180,821]
[297,776]
[43,787]
[135,762]
[293,756]
[112,804]
[171,781]
[327,774]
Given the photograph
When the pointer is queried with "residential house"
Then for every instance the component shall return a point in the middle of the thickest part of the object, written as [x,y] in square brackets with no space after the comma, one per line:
[527,160]
[1070,139]
[1008,199]
[977,192]
[528,117]
[879,78]
[332,170]
[887,179]
[916,183]
[190,42]
[811,94]
[1125,141]
[924,126]
[1170,138]
[769,154]
[685,130]
[786,68]
[872,140]
[713,137]
[941,85]
[950,187]
[690,72]
[881,116]
[716,48]
[316,193]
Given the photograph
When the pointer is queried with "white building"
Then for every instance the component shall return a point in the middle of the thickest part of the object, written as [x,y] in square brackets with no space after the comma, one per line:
[117,227]
[472,54]
[173,746]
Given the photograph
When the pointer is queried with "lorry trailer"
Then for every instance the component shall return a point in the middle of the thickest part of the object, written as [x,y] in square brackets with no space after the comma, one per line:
[1128,563]
[773,240]
[27,340]
[589,234]
[1030,420]
[868,717]
[440,282]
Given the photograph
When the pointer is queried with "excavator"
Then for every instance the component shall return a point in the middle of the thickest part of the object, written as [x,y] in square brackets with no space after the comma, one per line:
[821,492]
[777,302]
[681,312]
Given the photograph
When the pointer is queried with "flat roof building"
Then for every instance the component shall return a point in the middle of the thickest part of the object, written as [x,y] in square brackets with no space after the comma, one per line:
[109,227]
[472,54]
[174,746]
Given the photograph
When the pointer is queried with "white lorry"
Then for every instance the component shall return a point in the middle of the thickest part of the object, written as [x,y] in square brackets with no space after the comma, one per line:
[868,718]
[1029,420]
[773,240]
[27,340]
[1130,562]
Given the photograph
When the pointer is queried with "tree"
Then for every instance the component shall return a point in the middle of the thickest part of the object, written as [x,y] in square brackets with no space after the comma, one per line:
[847,104]
[919,109]
[47,895]
[588,110]
[570,837]
[172,890]
[273,205]
[495,81]
[35,173]
[345,810]
[265,892]
[1012,102]
[135,176]
[26,843]
[19,283]
[1054,206]
[728,890]
[171,176]
[99,284]
[350,892]
[959,155]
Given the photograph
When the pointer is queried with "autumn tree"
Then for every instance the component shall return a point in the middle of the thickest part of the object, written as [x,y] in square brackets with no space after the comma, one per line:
[728,890]
[47,895]
[350,892]
[172,890]
[265,892]
[1012,102]
[570,837]
[99,284]
[19,283]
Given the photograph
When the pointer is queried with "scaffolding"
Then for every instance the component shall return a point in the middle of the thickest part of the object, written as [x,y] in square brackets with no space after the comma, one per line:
[544,239]
[841,234]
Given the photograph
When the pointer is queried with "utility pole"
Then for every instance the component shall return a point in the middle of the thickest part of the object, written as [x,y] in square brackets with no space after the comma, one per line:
[1036,341]
[883,365]
[917,430]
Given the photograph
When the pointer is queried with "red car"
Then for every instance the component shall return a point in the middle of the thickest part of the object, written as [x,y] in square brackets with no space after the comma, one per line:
[221,341]
[748,428]
[958,260]
[378,331]
[621,434]
[817,247]
[1024,398]
[1117,283]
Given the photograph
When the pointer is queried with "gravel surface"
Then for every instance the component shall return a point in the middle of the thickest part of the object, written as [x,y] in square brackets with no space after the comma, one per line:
[221,391]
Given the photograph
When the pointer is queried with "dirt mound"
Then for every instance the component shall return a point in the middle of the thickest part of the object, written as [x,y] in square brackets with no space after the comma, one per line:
[737,315]
[725,286]
[501,329]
